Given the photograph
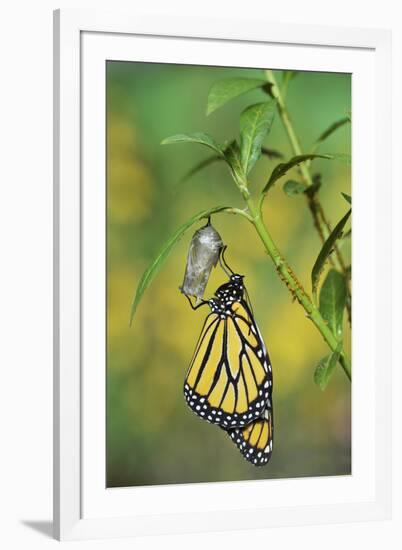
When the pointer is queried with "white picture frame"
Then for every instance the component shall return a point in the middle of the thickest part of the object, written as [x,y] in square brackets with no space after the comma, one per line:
[83,507]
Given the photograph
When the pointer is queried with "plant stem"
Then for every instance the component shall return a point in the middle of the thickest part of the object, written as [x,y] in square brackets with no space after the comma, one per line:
[320,221]
[286,274]
[283,113]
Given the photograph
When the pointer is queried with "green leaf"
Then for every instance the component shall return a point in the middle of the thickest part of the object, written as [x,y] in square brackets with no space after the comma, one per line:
[232,156]
[342,157]
[347,198]
[198,167]
[331,129]
[313,189]
[346,236]
[332,301]
[229,88]
[317,182]
[196,137]
[206,162]
[326,251]
[281,169]
[151,271]
[287,76]
[271,153]
[325,368]
[255,123]
[292,188]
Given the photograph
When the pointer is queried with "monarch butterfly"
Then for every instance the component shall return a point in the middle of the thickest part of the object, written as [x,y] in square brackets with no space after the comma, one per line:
[255,440]
[229,381]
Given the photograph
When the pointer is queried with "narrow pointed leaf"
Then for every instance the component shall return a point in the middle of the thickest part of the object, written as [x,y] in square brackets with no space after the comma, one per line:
[326,251]
[151,271]
[271,153]
[199,166]
[281,169]
[347,198]
[255,123]
[344,239]
[286,78]
[292,188]
[196,137]
[331,129]
[229,88]
[342,157]
[206,162]
[288,75]
[325,368]
[332,301]
[316,185]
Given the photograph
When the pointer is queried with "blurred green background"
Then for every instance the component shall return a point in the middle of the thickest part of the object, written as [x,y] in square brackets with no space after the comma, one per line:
[152,437]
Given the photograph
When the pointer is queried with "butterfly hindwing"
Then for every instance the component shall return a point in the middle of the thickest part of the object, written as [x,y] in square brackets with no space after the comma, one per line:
[255,440]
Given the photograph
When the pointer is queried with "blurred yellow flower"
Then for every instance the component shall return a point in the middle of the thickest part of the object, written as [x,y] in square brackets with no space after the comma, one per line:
[130,185]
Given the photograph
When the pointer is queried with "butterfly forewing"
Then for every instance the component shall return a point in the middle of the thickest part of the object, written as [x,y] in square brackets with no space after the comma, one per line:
[230,377]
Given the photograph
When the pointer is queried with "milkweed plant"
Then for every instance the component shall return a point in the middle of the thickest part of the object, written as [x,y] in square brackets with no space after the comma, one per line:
[329,298]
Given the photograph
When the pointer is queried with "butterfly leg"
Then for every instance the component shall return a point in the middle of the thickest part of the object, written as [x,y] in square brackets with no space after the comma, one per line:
[202,303]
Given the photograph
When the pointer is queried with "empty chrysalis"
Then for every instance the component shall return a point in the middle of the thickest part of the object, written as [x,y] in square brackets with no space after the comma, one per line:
[203,255]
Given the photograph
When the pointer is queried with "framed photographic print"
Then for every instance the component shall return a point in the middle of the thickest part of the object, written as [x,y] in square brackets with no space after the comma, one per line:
[213,189]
